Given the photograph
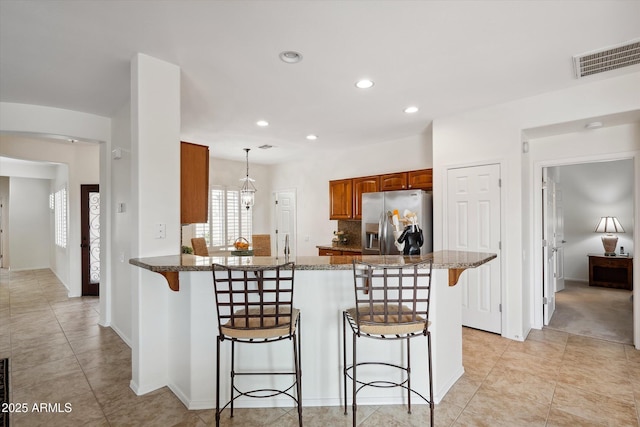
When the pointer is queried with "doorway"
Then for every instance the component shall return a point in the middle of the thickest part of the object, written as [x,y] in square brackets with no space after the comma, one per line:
[590,190]
[90,238]
[285,224]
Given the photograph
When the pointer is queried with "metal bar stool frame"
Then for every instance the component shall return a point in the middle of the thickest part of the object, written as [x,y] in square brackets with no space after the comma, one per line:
[392,303]
[255,306]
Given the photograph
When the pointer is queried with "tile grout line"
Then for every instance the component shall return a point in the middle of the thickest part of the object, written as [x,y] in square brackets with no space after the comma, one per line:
[78,361]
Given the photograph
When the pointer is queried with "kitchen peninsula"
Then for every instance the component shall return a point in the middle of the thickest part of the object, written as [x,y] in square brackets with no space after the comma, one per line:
[177,328]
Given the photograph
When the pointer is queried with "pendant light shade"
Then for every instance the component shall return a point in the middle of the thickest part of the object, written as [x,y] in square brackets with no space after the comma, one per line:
[248,191]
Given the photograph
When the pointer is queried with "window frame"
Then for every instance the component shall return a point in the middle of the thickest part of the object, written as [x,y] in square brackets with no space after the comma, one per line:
[225,204]
[58,203]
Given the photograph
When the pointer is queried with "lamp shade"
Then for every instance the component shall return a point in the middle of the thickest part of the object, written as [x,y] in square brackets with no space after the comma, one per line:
[609,224]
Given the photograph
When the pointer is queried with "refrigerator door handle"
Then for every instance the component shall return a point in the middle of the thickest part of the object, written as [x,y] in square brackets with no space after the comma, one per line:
[385,226]
[380,237]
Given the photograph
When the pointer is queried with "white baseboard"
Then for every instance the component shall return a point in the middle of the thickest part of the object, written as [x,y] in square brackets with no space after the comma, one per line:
[120,334]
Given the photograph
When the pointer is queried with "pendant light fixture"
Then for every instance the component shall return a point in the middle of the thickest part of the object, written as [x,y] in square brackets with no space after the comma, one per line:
[248,192]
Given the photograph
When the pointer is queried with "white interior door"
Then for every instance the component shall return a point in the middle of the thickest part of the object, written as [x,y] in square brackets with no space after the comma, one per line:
[474,225]
[285,214]
[549,250]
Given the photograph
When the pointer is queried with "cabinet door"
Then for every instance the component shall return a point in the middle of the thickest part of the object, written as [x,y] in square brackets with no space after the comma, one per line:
[367,184]
[421,179]
[328,252]
[194,183]
[393,181]
[341,199]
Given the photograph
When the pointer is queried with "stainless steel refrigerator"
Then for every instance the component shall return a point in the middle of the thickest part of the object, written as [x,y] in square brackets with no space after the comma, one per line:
[378,224]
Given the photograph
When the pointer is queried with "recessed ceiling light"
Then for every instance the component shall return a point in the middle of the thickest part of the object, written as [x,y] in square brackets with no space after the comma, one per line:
[593,125]
[312,137]
[364,84]
[262,123]
[410,110]
[290,57]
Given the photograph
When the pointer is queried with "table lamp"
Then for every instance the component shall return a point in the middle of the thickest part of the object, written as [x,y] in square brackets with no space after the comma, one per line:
[609,224]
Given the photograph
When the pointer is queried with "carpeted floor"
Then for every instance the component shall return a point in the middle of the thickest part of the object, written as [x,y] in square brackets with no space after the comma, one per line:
[4,392]
[594,312]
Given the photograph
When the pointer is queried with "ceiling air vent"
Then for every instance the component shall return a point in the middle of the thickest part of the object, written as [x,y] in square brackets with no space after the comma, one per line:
[607,59]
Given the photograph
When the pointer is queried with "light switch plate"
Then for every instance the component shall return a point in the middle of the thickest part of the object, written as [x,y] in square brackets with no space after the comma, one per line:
[161,231]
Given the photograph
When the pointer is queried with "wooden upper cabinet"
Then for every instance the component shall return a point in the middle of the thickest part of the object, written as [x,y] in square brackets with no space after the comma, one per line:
[393,181]
[194,183]
[422,179]
[367,184]
[341,199]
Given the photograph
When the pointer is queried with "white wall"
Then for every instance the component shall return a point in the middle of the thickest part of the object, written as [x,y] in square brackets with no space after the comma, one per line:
[310,177]
[155,199]
[29,223]
[27,169]
[122,227]
[493,135]
[589,191]
[48,121]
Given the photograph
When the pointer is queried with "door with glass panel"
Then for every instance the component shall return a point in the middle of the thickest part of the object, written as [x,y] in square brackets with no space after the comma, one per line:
[90,238]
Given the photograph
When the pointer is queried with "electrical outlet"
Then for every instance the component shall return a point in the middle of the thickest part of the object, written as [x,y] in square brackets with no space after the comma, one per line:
[161,231]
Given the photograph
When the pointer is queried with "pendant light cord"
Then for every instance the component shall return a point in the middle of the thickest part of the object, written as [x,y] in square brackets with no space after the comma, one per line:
[247,150]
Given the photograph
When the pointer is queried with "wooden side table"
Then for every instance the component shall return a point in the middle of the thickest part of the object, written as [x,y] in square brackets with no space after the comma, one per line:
[611,271]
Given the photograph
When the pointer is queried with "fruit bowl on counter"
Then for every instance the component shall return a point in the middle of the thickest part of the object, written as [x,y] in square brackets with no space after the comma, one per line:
[242,247]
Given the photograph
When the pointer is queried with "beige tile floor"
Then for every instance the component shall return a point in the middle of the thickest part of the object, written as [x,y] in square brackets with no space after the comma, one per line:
[59,354]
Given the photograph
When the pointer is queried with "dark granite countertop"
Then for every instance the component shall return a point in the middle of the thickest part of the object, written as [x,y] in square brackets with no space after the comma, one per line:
[344,248]
[441,260]
[171,265]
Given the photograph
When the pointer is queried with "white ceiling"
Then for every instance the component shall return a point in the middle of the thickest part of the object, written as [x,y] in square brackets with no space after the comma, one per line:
[442,56]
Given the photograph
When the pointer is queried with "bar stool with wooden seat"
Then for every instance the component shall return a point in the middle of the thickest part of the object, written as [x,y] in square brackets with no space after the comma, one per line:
[255,305]
[392,303]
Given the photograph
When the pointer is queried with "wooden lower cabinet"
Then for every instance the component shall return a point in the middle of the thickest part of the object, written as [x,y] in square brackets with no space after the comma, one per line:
[328,252]
[611,271]
[334,252]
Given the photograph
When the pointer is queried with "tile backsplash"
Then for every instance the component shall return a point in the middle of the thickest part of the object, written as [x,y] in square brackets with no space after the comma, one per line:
[352,230]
